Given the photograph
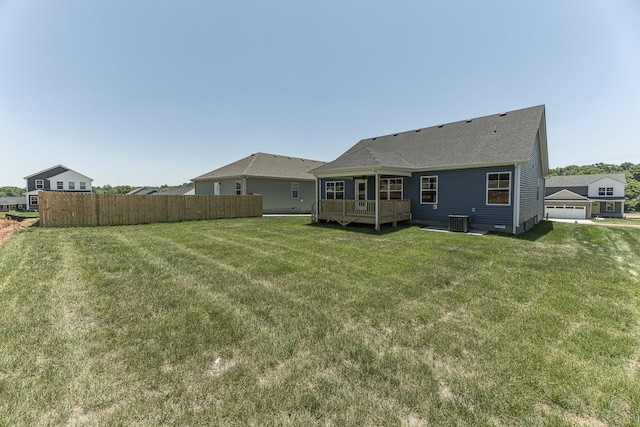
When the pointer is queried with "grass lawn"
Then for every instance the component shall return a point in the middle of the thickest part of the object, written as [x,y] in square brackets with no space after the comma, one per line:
[272,321]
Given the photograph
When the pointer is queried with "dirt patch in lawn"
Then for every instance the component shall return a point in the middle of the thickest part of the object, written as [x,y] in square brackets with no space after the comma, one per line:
[10,226]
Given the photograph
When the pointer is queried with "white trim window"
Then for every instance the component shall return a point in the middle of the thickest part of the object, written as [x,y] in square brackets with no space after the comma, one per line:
[390,189]
[429,189]
[39,184]
[72,185]
[499,188]
[334,189]
[238,188]
[295,190]
[83,185]
[33,200]
[605,191]
[59,185]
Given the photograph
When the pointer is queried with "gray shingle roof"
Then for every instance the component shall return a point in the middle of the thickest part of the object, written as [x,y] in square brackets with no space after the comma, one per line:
[178,191]
[581,180]
[266,166]
[505,138]
[13,200]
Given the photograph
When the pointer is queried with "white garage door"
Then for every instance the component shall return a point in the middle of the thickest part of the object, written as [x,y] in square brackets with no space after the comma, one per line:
[566,212]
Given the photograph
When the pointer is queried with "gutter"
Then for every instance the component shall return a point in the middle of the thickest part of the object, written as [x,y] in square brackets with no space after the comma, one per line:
[516,198]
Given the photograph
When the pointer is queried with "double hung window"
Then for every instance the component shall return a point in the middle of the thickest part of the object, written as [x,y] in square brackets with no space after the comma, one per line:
[499,188]
[390,189]
[429,189]
[334,189]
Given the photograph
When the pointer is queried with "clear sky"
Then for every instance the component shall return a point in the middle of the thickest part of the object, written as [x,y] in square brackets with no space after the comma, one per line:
[152,92]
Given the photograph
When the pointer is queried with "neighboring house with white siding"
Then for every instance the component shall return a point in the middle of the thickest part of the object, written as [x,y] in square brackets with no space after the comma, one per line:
[487,173]
[284,182]
[56,178]
[585,196]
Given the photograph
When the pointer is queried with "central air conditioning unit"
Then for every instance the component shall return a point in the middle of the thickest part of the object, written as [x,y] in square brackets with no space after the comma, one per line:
[459,223]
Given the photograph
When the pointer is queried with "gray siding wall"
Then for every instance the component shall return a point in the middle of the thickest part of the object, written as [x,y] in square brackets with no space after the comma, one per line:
[617,213]
[459,193]
[227,187]
[31,182]
[349,188]
[532,188]
[276,193]
[583,191]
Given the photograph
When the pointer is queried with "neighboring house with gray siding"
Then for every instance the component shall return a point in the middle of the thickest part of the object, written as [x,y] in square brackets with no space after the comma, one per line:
[284,182]
[487,172]
[12,204]
[585,196]
[56,178]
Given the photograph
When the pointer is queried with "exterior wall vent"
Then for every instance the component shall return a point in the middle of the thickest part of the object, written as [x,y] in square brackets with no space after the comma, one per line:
[459,223]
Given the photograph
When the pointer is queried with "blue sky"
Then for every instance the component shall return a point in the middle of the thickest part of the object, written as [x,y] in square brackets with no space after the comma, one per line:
[153,92]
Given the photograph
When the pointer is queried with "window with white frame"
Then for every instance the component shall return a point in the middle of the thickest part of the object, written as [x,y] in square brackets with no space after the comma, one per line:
[611,207]
[72,185]
[499,188]
[334,189]
[39,184]
[390,189]
[33,200]
[295,190]
[238,188]
[83,185]
[60,185]
[605,191]
[429,189]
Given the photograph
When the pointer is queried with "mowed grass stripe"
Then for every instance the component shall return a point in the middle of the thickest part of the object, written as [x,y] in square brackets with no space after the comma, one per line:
[272,321]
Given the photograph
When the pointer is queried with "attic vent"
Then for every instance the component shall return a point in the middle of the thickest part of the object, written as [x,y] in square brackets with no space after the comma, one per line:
[503,114]
[418,130]
[373,139]
[469,120]
[441,126]
[395,134]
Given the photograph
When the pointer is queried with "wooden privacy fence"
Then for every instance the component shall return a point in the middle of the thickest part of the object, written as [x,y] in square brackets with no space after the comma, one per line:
[61,209]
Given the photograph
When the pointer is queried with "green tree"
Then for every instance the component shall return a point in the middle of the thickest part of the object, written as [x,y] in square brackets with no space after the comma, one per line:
[11,192]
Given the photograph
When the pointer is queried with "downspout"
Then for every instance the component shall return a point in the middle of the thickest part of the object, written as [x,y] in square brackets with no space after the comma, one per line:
[516,199]
[377,201]
[317,189]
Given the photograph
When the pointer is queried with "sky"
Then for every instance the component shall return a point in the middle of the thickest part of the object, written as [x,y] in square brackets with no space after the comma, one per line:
[154,92]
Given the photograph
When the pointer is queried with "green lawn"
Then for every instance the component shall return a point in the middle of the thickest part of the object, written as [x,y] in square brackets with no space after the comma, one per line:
[272,321]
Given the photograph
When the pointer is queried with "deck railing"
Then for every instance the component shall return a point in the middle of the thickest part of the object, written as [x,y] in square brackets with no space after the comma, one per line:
[346,211]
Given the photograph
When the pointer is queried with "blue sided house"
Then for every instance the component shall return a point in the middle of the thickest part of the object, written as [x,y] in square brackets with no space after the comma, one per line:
[486,173]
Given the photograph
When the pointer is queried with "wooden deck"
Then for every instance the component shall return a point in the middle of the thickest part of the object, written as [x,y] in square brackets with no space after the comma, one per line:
[363,211]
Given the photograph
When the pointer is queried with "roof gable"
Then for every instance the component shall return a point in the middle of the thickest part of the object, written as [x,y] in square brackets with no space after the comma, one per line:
[499,139]
[565,195]
[47,170]
[267,166]
[69,174]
